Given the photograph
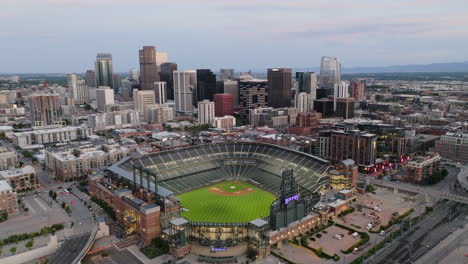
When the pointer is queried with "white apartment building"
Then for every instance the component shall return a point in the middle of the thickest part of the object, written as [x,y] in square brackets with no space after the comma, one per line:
[8,159]
[104,96]
[159,113]
[114,120]
[225,122]
[21,179]
[304,102]
[49,136]
[206,112]
[69,164]
[78,89]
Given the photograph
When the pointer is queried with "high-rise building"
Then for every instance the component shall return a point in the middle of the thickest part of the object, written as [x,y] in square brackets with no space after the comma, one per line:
[206,84]
[142,98]
[224,104]
[126,87]
[304,102]
[356,145]
[226,74]
[229,87]
[104,71]
[45,109]
[252,94]
[330,72]
[324,106]
[185,85]
[279,87]
[273,117]
[148,68]
[307,83]
[78,89]
[117,82]
[104,96]
[160,89]
[345,107]
[357,90]
[161,57]
[159,113]
[90,78]
[134,75]
[206,112]
[340,91]
[167,75]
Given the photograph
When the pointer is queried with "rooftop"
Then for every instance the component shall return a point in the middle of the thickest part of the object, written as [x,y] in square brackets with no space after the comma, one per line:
[4,186]
[5,174]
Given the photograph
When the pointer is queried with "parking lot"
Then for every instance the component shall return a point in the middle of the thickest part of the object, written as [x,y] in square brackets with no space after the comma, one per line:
[40,213]
[330,244]
[377,208]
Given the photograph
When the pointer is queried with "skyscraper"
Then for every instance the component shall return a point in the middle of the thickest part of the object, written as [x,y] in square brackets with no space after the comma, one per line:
[206,112]
[307,83]
[148,68]
[341,90]
[78,89]
[134,75]
[45,109]
[166,74]
[224,104]
[117,82]
[330,74]
[206,84]
[185,84]
[90,78]
[279,87]
[104,71]
[226,74]
[357,90]
[160,89]
[345,107]
[304,102]
[229,87]
[252,94]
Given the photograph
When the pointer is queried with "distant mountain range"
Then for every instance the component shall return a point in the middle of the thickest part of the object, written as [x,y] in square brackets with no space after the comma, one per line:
[433,67]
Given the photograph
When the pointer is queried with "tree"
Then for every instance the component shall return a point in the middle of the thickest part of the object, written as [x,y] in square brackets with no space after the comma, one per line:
[13,250]
[370,188]
[252,253]
[30,243]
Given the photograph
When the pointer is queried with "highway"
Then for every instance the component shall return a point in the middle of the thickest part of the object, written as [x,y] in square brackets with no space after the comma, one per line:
[70,250]
[446,217]
[415,189]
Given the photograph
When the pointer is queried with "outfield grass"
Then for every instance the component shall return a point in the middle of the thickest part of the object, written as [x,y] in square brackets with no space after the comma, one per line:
[205,206]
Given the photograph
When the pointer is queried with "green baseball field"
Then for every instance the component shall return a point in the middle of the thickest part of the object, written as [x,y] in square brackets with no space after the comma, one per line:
[226,202]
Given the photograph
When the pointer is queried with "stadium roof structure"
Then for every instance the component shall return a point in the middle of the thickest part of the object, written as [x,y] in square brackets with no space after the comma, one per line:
[184,169]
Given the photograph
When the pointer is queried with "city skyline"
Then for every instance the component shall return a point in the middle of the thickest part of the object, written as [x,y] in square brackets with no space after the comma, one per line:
[372,34]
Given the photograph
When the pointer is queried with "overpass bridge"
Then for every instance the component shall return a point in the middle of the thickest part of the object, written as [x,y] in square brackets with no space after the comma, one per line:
[396,186]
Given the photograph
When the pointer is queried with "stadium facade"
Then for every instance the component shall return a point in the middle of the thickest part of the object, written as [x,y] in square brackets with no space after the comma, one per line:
[143,193]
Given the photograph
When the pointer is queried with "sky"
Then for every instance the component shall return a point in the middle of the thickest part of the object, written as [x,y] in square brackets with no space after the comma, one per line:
[62,36]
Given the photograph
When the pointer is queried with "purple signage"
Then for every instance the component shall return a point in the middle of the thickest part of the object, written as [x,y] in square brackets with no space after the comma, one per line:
[218,249]
[292,198]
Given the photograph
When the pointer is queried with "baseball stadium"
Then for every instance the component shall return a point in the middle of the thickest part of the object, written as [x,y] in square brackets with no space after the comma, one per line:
[220,199]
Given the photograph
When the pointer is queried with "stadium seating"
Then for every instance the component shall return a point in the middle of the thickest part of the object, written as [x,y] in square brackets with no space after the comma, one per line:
[189,168]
